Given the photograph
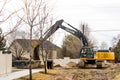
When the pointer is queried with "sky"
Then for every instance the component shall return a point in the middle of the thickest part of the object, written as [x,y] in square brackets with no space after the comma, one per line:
[102,16]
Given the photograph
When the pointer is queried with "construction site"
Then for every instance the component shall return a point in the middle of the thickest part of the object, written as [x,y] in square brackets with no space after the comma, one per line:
[91,64]
[59,40]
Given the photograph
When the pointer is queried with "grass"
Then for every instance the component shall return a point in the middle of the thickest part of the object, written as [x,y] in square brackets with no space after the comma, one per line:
[40,75]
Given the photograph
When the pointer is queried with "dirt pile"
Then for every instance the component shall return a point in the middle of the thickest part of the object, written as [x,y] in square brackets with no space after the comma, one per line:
[68,65]
[72,64]
[57,65]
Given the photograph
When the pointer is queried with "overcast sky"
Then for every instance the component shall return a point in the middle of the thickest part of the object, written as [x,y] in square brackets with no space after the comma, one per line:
[98,14]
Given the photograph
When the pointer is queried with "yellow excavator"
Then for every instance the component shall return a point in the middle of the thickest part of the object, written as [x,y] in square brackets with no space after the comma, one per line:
[87,55]
[95,57]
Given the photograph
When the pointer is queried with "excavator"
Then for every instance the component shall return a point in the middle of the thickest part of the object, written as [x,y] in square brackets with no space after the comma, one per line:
[87,54]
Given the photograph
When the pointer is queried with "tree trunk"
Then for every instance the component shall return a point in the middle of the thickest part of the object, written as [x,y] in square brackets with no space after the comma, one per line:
[30,62]
[45,65]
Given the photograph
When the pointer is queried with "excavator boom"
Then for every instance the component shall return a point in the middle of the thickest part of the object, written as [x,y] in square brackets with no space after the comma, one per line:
[73,31]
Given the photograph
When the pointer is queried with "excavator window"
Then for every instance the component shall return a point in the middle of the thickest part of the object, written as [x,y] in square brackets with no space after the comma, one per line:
[86,53]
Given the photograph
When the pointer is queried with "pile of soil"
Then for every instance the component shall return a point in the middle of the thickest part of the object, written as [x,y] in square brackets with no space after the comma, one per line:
[72,64]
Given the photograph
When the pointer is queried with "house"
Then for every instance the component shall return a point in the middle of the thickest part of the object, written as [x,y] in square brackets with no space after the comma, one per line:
[21,49]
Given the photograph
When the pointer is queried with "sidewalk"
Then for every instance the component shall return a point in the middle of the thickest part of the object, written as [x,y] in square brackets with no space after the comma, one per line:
[17,74]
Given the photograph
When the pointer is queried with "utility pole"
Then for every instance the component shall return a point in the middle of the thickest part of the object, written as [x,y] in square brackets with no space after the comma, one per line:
[83,29]
[65,45]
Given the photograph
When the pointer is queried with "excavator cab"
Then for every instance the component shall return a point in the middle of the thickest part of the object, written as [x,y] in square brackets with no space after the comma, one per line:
[86,52]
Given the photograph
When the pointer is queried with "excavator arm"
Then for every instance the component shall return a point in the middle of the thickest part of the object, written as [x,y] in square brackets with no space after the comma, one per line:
[51,30]
[73,31]
[76,33]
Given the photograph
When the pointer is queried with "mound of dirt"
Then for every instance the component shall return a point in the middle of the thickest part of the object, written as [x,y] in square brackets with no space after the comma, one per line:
[57,65]
[72,64]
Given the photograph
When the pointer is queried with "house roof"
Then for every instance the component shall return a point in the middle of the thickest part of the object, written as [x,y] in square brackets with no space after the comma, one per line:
[25,43]
[48,44]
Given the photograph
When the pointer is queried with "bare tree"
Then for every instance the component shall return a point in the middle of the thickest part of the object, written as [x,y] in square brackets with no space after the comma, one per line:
[48,48]
[6,18]
[15,27]
[31,10]
[17,51]
[45,21]
[3,16]
[4,2]
[35,15]
[103,45]
[115,40]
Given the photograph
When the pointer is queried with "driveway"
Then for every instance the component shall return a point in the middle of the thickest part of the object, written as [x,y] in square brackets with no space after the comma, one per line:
[17,74]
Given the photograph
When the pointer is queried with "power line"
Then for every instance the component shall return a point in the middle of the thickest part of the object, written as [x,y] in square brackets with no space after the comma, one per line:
[114,30]
[104,30]
[91,31]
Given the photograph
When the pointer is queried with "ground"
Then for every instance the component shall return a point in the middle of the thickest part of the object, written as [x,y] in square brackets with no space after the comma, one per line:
[111,72]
